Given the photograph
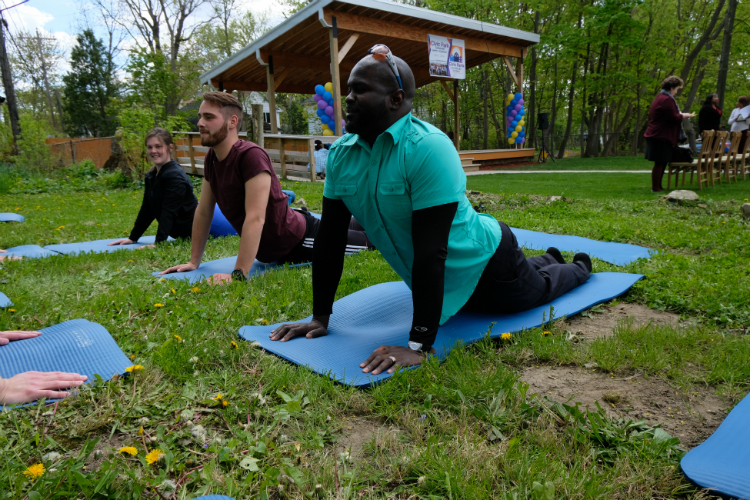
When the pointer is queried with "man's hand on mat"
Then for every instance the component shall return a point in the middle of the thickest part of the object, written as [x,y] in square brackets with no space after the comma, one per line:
[124,241]
[383,358]
[182,268]
[6,337]
[220,279]
[311,330]
[30,386]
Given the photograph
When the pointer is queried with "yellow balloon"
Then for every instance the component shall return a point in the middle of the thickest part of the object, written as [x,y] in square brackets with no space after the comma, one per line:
[510,97]
[511,141]
[518,128]
[329,87]
[327,132]
[522,123]
[514,135]
[325,126]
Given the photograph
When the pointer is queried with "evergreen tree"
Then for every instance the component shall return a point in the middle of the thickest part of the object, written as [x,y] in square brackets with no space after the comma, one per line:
[89,87]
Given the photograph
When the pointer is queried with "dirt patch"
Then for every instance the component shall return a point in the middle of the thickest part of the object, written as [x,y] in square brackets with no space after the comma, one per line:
[359,432]
[599,325]
[691,417]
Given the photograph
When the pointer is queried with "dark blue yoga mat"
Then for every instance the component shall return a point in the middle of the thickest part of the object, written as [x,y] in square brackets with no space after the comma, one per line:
[77,346]
[382,315]
[11,217]
[99,246]
[214,497]
[722,462]
[619,254]
[4,300]
[208,269]
[220,226]
[29,251]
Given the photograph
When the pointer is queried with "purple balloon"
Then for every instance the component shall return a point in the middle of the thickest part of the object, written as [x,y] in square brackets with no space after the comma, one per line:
[513,113]
[317,98]
[523,140]
[343,123]
[322,104]
[329,110]
[518,107]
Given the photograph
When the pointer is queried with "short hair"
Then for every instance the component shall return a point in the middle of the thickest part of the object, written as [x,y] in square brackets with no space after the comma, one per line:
[228,103]
[710,98]
[744,100]
[671,82]
[161,133]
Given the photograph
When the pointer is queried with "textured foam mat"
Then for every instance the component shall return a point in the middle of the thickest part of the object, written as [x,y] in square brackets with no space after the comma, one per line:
[99,246]
[4,300]
[722,462]
[11,217]
[29,251]
[619,254]
[382,315]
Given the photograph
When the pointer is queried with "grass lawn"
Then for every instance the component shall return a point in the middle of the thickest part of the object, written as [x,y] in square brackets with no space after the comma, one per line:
[471,427]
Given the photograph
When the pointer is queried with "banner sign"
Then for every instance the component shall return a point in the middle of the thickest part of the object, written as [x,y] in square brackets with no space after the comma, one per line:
[447,57]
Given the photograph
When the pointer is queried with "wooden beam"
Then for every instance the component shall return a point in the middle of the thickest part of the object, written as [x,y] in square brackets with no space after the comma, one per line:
[284,60]
[263,87]
[280,78]
[457,118]
[348,45]
[361,24]
[271,95]
[282,158]
[333,38]
[511,70]
[447,89]
[519,74]
[257,117]
[311,150]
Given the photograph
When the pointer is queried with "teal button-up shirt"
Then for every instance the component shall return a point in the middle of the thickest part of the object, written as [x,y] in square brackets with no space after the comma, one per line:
[412,166]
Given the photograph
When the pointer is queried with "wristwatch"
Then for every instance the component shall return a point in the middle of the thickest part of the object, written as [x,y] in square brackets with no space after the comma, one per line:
[417,347]
[239,275]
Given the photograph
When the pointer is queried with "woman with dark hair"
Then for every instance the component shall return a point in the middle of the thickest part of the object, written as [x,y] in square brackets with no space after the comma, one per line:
[664,127]
[709,117]
[168,197]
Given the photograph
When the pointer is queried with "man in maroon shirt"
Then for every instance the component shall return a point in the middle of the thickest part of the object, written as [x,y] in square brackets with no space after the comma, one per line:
[239,177]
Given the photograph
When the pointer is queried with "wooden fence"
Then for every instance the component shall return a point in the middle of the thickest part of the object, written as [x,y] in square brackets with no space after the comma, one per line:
[67,150]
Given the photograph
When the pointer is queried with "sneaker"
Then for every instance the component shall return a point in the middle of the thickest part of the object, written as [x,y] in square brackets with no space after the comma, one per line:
[554,252]
[583,257]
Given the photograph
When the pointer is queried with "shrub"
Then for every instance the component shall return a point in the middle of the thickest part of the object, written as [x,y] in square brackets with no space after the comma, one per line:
[86,168]
[33,152]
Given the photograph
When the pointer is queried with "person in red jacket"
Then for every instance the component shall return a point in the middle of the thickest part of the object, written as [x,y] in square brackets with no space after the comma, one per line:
[663,131]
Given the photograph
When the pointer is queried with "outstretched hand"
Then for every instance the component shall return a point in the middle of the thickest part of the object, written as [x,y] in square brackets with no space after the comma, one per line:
[124,241]
[6,337]
[311,330]
[182,268]
[388,357]
[30,386]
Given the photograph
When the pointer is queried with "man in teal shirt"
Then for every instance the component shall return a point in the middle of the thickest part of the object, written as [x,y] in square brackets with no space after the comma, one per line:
[402,180]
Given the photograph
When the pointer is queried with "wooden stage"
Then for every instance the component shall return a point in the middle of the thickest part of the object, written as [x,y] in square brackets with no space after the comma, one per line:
[472,160]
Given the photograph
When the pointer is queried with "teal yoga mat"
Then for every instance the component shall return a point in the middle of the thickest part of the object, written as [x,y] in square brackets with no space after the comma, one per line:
[382,315]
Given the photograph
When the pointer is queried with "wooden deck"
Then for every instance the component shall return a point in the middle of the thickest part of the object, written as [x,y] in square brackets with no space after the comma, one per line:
[493,156]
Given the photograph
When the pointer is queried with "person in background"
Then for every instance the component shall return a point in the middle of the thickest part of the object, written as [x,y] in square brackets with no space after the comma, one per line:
[738,122]
[664,127]
[30,386]
[709,117]
[168,196]
[321,156]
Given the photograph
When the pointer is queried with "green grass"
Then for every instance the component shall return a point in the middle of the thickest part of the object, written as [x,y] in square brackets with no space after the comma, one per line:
[577,163]
[466,428]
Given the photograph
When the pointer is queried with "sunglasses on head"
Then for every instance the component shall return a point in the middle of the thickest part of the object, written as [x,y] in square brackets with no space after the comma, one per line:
[384,50]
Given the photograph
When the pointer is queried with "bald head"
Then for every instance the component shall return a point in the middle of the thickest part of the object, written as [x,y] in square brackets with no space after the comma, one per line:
[382,70]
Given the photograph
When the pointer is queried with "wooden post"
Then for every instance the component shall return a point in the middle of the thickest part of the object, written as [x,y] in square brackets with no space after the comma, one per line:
[311,149]
[457,119]
[191,150]
[519,75]
[257,116]
[271,97]
[333,38]
[282,158]
[72,151]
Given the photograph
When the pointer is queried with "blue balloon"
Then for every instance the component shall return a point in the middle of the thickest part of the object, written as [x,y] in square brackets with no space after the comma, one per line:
[521,113]
[325,118]
[321,112]
[519,139]
[319,89]
[514,124]
[518,96]
[327,95]
[521,134]
[509,109]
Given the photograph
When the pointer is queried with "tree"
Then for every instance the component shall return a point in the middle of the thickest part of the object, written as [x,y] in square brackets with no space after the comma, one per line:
[89,88]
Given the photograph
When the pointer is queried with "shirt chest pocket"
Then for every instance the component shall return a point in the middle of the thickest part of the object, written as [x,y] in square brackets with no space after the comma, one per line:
[346,190]
[394,200]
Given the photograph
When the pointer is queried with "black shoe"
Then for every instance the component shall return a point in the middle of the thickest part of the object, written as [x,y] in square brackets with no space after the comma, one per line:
[583,257]
[554,252]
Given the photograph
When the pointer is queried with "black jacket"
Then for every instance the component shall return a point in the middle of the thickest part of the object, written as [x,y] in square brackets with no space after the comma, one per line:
[708,118]
[169,199]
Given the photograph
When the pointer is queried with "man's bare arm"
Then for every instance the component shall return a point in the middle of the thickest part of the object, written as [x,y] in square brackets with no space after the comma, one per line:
[257,190]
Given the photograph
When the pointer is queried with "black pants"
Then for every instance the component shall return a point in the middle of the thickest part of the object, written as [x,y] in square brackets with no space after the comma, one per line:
[512,283]
[303,251]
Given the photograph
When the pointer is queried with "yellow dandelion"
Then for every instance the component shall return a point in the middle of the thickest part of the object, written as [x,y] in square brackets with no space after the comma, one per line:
[163,279]
[12,310]
[219,397]
[158,305]
[98,209]
[35,471]
[132,450]
[264,321]
[224,403]
[546,333]
[173,290]
[179,339]
[154,456]
[140,431]
[130,261]
[506,336]
[134,368]
[196,289]
[132,357]
[234,345]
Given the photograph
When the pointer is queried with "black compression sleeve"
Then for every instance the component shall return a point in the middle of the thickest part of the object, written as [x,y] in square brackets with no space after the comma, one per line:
[430,230]
[328,254]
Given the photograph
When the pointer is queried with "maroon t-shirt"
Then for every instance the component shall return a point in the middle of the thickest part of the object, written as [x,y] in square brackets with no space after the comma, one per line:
[284,227]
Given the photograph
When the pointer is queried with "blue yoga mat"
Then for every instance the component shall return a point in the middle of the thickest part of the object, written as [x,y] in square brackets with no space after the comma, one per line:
[214,497]
[208,269]
[77,346]
[220,226]
[99,246]
[619,254]
[11,217]
[382,315]
[29,251]
[4,300]
[722,462]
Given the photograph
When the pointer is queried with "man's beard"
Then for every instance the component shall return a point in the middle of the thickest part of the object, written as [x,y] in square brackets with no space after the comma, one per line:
[369,120]
[214,139]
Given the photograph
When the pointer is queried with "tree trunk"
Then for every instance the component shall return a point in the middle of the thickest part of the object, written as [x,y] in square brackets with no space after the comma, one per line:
[531,121]
[571,103]
[553,117]
[485,86]
[726,44]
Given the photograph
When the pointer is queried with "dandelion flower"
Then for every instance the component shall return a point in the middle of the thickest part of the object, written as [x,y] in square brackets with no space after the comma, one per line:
[196,289]
[173,290]
[179,339]
[130,261]
[224,403]
[506,336]
[219,397]
[154,456]
[134,368]
[546,333]
[132,450]
[34,471]
[132,357]
[234,345]
[264,321]
[158,305]
[140,431]
[12,310]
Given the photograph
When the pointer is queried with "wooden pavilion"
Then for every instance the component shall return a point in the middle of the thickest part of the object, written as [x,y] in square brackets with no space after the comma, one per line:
[324,40]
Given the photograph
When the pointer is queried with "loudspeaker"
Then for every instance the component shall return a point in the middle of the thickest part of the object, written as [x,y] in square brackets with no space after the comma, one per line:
[543,121]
